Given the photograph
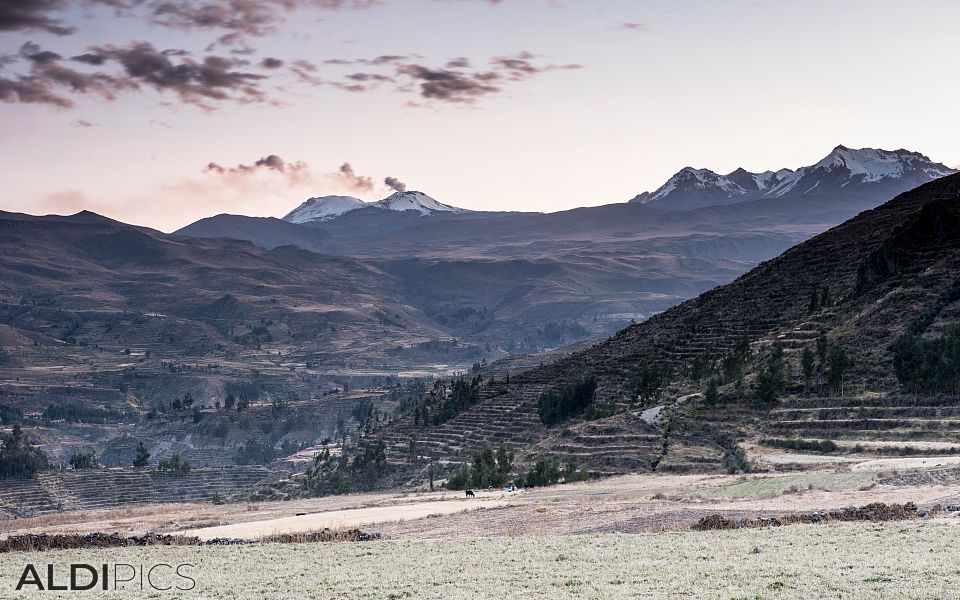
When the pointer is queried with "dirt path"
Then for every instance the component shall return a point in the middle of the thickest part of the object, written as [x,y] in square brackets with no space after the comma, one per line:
[342,519]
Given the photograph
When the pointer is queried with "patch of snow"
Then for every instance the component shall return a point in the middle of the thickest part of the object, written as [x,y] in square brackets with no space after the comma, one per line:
[418,201]
[323,208]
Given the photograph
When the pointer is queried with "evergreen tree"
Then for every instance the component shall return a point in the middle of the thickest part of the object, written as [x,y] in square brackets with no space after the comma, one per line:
[807,364]
[837,365]
[84,459]
[771,379]
[814,304]
[18,457]
[822,347]
[142,456]
[825,300]
[712,396]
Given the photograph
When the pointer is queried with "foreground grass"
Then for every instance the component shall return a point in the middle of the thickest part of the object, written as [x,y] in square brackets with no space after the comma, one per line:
[851,561]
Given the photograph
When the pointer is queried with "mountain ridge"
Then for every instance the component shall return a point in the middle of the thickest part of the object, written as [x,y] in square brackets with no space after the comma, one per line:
[868,171]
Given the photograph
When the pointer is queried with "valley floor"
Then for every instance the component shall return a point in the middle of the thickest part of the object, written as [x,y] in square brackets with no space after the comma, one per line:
[854,561]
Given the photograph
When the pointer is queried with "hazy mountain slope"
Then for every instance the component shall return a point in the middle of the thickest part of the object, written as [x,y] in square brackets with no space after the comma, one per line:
[883,269]
[265,232]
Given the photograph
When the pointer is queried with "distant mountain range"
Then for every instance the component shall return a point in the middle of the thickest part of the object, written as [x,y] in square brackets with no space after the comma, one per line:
[867,172]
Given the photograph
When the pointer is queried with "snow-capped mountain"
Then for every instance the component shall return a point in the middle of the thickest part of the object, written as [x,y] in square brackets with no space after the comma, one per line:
[866,171]
[418,201]
[325,208]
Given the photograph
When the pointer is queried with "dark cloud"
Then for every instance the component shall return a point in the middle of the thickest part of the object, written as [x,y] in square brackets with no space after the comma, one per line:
[48,79]
[21,15]
[458,63]
[395,184]
[36,55]
[633,26]
[29,90]
[200,82]
[211,79]
[347,177]
[237,17]
[449,85]
[296,172]
[271,63]
[457,82]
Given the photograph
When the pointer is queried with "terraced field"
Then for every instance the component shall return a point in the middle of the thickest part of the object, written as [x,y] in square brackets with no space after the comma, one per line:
[109,488]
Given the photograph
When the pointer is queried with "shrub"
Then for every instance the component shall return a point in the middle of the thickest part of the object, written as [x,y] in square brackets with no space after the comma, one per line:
[824,446]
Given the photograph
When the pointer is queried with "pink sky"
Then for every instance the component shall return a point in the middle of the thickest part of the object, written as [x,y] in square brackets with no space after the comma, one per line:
[509,105]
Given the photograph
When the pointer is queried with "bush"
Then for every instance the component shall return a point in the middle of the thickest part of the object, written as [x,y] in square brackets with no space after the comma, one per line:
[824,446]
[566,401]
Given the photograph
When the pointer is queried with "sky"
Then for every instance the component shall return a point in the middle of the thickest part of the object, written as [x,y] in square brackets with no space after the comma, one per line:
[162,112]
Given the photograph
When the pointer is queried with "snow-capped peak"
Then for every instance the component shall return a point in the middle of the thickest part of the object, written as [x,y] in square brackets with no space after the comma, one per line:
[323,208]
[873,164]
[418,201]
[881,172]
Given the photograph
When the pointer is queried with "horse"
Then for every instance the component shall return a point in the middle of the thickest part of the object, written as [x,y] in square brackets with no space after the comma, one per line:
[470,494]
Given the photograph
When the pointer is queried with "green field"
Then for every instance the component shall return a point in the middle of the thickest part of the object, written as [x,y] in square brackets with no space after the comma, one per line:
[851,561]
[768,487]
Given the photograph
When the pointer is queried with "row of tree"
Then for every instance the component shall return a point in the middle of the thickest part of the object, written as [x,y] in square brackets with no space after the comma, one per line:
[489,469]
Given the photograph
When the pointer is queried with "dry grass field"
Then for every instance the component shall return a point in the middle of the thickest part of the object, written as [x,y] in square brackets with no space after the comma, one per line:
[852,561]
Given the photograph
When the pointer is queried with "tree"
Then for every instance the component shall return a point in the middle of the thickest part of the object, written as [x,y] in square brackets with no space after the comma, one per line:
[649,382]
[822,347]
[734,361]
[566,401]
[814,304]
[142,456]
[84,459]
[175,465]
[187,400]
[544,472]
[806,363]
[18,457]
[837,366]
[771,379]
[825,300]
[229,402]
[712,395]
[485,470]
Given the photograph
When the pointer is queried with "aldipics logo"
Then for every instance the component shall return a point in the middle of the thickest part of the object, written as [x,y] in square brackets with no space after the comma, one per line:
[161,577]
